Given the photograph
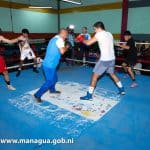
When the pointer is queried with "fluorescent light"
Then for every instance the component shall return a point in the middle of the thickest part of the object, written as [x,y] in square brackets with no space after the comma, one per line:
[73,2]
[39,7]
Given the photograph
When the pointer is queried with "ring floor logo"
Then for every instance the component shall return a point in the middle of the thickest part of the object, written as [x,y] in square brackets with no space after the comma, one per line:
[66,110]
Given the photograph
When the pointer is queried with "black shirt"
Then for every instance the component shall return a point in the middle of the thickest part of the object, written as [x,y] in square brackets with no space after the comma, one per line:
[132,51]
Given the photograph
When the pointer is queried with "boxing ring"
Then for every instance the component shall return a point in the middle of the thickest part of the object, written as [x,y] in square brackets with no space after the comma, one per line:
[147,62]
[108,121]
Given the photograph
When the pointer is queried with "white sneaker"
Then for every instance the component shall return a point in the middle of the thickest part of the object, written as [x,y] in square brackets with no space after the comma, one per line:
[133,85]
[10,87]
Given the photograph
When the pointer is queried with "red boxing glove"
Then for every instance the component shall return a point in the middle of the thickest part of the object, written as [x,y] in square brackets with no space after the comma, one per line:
[80,38]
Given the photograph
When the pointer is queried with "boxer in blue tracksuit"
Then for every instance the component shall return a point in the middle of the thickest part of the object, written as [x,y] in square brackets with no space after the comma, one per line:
[55,48]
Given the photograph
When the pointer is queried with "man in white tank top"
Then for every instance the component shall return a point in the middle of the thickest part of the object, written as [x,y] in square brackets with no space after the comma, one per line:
[25,50]
[106,61]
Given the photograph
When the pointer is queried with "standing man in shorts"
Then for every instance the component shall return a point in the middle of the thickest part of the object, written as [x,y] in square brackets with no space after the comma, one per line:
[131,58]
[106,62]
[25,51]
[55,48]
[3,68]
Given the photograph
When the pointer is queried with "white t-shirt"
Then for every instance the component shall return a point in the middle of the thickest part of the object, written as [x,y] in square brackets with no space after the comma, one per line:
[25,45]
[106,45]
[60,42]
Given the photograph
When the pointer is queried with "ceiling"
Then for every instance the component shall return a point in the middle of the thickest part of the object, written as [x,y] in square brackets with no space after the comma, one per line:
[53,3]
[88,2]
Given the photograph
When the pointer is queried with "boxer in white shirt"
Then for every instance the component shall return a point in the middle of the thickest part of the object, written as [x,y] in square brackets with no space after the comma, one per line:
[25,50]
[106,62]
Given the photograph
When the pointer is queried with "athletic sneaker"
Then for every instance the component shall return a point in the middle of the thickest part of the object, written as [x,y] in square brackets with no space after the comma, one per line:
[18,73]
[10,87]
[121,91]
[35,70]
[37,99]
[133,85]
[88,97]
[55,92]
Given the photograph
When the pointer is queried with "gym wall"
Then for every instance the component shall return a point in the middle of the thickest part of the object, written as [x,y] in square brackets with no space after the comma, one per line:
[36,21]
[139,20]
[45,21]
[111,19]
[110,14]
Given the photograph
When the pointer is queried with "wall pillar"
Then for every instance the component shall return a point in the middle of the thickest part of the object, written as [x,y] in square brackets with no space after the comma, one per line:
[124,22]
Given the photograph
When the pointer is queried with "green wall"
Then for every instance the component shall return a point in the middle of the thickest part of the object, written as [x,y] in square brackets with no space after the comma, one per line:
[36,22]
[111,19]
[139,20]
[5,21]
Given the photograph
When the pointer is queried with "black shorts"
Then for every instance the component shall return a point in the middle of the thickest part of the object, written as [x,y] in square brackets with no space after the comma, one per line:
[130,63]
